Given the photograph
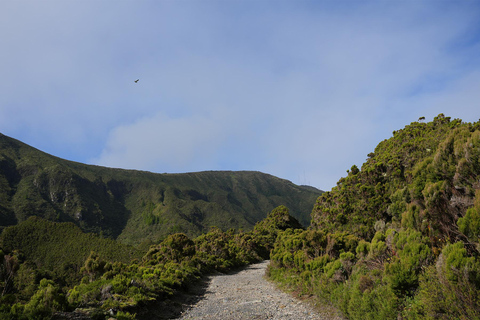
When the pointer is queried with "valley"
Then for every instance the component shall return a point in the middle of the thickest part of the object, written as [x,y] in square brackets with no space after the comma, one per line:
[397,238]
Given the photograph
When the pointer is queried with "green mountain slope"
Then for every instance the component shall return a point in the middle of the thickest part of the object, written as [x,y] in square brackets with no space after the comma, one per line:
[137,206]
[400,237]
[60,249]
[426,174]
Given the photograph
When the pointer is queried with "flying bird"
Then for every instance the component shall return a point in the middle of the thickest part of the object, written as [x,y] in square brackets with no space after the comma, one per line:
[136,80]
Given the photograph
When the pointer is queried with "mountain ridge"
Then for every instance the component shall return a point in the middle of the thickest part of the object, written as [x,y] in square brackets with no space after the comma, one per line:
[134,206]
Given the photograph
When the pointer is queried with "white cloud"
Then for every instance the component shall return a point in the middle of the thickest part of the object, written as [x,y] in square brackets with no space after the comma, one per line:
[301,90]
[164,144]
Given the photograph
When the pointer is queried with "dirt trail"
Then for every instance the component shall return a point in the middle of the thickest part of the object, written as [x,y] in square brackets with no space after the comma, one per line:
[248,295]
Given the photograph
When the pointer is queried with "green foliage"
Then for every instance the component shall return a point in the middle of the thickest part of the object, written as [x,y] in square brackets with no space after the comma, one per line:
[48,298]
[216,249]
[25,280]
[408,181]
[410,253]
[363,248]
[470,223]
[266,231]
[400,236]
[175,247]
[396,239]
[125,286]
[449,289]
[94,265]
[456,263]
[9,265]
[125,316]
[60,249]
[366,298]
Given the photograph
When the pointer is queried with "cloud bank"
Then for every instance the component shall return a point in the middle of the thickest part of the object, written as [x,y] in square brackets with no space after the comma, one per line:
[302,90]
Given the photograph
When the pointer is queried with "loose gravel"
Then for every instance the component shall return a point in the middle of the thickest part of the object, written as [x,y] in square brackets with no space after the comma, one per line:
[248,295]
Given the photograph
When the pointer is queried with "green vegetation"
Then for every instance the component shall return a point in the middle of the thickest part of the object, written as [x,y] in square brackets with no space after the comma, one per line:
[398,239]
[67,230]
[137,207]
[60,249]
[35,283]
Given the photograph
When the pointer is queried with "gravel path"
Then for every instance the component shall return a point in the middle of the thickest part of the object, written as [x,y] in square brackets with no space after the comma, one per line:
[248,295]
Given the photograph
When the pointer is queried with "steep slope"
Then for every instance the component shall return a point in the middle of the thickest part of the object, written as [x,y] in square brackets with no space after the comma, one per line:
[138,206]
[400,237]
[427,173]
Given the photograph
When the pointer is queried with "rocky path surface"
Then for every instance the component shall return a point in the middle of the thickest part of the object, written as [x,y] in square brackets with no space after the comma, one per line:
[248,295]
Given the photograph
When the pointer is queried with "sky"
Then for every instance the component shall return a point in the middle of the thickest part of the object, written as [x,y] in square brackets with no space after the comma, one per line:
[298,89]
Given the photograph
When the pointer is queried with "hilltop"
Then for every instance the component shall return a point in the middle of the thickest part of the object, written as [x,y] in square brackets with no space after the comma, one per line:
[137,207]
[398,238]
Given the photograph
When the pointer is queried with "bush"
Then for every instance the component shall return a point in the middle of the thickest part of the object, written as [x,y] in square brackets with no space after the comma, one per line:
[411,253]
[47,299]
[469,225]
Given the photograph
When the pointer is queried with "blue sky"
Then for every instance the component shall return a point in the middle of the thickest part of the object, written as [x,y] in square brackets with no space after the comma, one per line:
[298,89]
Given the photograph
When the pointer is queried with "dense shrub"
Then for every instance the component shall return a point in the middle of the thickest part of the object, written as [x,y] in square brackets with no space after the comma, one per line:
[107,284]
[398,238]
[449,289]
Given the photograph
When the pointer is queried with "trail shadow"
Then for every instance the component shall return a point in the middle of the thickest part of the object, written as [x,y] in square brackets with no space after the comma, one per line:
[160,309]
[173,307]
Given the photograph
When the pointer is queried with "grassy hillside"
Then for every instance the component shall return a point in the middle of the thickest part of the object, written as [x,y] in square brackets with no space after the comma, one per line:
[46,270]
[400,237]
[136,206]
[60,249]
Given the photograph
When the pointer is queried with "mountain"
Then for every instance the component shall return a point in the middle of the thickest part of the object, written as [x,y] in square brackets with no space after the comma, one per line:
[398,238]
[137,207]
[426,174]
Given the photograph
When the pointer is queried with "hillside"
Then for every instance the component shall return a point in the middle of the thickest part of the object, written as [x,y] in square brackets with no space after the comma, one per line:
[137,206]
[398,238]
[59,250]
[45,272]
[426,175]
